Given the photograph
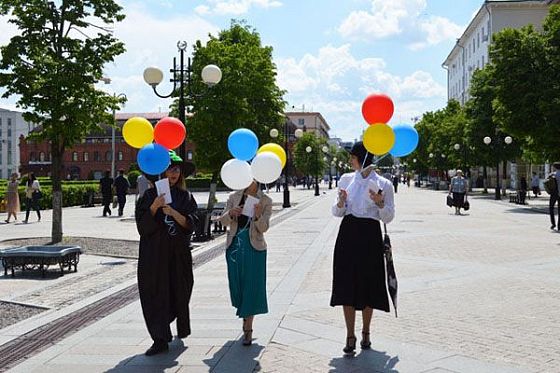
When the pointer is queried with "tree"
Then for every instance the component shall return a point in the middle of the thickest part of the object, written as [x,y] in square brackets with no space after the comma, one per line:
[52,65]
[247,96]
[309,163]
[525,76]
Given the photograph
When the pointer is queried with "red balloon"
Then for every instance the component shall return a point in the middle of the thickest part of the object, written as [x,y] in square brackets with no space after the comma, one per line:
[377,108]
[170,132]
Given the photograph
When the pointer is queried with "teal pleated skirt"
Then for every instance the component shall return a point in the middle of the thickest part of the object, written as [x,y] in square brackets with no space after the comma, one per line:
[247,276]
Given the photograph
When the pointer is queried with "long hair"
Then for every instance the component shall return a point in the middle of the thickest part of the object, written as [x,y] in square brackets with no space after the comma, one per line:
[31,179]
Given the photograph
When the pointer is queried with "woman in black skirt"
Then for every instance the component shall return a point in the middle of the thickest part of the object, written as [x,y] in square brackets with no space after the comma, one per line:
[364,199]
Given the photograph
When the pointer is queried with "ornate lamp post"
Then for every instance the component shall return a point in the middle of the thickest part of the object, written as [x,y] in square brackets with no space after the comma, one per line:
[298,134]
[211,75]
[507,140]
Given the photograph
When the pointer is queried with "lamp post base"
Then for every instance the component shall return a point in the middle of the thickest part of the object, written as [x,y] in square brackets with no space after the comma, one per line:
[317,189]
[286,203]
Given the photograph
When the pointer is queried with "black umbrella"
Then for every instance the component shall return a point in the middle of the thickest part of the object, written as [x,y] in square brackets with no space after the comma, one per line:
[392,284]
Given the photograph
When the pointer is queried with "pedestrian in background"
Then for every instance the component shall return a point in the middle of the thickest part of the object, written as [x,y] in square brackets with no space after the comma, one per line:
[458,188]
[246,255]
[358,264]
[106,188]
[13,206]
[522,190]
[555,175]
[536,184]
[165,273]
[121,188]
[32,197]
[396,182]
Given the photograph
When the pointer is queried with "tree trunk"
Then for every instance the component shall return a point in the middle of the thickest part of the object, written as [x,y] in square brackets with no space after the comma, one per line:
[57,152]
[504,177]
[211,199]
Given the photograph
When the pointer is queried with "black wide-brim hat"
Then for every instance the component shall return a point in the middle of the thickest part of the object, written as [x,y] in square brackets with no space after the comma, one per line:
[360,151]
[187,167]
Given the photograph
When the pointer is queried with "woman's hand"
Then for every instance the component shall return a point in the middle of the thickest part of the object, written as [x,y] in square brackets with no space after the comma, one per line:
[157,204]
[168,210]
[236,211]
[378,198]
[342,197]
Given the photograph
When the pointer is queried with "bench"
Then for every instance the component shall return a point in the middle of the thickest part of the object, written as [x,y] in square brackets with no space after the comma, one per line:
[513,198]
[40,257]
[214,225]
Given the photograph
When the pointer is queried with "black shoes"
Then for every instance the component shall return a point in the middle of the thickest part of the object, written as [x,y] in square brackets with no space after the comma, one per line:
[157,348]
[350,347]
[552,227]
[365,343]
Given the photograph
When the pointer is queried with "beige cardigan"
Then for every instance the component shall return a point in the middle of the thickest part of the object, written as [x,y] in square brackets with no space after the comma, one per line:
[257,226]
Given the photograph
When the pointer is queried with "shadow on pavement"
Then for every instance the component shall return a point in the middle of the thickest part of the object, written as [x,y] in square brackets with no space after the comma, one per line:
[156,363]
[366,361]
[239,358]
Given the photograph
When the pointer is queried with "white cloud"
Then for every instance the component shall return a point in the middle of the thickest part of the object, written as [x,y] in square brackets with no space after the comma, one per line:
[334,82]
[234,7]
[438,29]
[385,19]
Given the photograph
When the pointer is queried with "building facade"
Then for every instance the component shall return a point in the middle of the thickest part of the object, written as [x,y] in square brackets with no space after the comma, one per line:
[12,126]
[310,122]
[471,50]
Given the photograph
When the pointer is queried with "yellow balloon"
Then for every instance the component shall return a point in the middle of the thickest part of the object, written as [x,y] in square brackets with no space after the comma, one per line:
[276,149]
[138,132]
[379,139]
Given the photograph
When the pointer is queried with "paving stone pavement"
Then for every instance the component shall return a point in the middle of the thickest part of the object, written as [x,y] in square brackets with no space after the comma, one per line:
[478,293]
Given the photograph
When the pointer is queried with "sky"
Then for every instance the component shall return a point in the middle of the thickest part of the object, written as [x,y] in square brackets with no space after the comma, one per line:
[330,54]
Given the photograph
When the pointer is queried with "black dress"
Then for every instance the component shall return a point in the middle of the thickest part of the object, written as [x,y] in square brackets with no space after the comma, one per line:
[165,276]
[359,265]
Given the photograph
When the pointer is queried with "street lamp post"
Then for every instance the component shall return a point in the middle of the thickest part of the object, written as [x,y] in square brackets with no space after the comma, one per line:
[298,134]
[507,140]
[107,80]
[211,75]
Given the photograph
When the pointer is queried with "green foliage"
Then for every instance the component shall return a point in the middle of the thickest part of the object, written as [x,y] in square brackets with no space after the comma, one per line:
[246,97]
[526,72]
[52,65]
[133,177]
[309,163]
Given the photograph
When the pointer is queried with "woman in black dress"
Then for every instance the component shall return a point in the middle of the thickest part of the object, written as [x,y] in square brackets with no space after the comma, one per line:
[364,199]
[165,275]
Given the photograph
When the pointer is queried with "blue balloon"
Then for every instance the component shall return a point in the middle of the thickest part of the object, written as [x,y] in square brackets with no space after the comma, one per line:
[153,159]
[406,140]
[243,144]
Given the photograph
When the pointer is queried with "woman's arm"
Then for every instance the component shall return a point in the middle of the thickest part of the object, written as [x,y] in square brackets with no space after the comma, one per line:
[226,219]
[387,213]
[262,218]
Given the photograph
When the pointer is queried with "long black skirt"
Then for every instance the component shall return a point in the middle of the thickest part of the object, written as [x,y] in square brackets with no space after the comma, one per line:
[359,265]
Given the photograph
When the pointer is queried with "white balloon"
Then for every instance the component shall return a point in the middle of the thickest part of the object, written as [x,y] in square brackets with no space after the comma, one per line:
[236,174]
[266,167]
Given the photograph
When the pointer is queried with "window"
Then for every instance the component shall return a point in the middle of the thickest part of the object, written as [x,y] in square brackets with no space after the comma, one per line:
[96,157]
[42,156]
[9,128]
[32,157]
[301,121]
[120,156]
[108,156]
[483,61]
[86,156]
[75,157]
[9,157]
[189,155]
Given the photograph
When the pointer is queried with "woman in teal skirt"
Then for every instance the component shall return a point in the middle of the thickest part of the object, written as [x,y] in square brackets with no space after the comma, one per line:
[246,254]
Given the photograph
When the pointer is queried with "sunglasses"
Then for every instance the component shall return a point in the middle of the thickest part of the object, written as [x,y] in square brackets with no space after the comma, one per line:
[174,170]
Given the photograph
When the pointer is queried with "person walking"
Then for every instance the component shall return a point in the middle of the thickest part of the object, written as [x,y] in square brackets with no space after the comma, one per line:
[106,188]
[536,185]
[246,255]
[121,187]
[165,272]
[522,190]
[364,200]
[32,197]
[13,206]
[458,188]
[554,196]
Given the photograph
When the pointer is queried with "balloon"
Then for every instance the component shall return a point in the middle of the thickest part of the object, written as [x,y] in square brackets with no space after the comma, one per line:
[138,132]
[276,149]
[170,132]
[379,139]
[406,140]
[243,144]
[153,159]
[266,167]
[236,174]
[377,108]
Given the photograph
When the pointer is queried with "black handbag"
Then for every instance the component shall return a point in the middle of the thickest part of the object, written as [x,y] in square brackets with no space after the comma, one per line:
[392,283]
[466,206]
[449,201]
[37,195]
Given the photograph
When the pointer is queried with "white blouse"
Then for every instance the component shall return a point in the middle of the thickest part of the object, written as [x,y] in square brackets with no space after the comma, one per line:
[358,202]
